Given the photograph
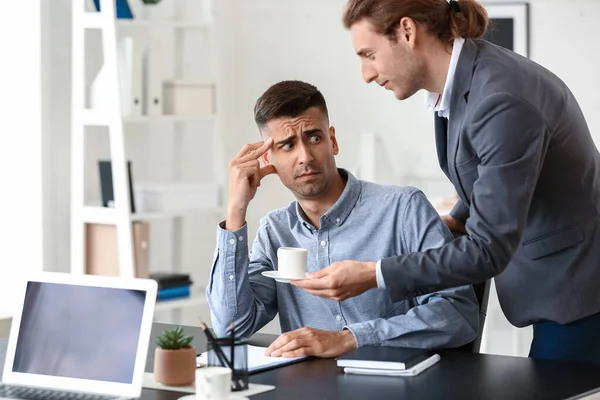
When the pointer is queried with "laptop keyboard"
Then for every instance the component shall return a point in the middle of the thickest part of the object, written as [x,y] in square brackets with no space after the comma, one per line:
[27,393]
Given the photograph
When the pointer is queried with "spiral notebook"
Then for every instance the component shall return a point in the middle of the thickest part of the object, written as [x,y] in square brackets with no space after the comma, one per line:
[257,361]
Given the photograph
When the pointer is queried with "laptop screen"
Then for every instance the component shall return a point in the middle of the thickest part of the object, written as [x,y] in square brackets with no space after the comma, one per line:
[83,332]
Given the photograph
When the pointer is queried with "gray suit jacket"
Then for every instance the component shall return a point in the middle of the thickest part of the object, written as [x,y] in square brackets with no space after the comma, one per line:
[521,157]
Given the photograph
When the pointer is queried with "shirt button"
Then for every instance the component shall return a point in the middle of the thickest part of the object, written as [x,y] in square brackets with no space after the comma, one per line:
[323,243]
[338,317]
[231,241]
[231,277]
[240,238]
[337,220]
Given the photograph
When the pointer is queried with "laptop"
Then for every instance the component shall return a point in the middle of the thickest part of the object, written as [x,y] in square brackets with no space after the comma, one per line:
[79,337]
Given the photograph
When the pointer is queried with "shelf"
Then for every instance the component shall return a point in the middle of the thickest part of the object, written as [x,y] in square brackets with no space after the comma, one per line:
[197,298]
[107,215]
[147,24]
[168,118]
[148,216]
[99,215]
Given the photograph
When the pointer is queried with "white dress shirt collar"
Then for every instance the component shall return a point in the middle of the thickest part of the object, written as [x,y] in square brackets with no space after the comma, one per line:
[441,102]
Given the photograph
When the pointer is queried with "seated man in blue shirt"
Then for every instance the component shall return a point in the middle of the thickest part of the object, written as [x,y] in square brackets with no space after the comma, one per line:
[336,217]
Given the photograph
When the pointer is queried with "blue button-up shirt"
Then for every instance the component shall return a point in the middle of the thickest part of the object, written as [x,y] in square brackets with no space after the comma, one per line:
[369,222]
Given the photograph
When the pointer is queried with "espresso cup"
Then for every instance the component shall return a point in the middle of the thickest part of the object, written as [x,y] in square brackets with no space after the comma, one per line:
[213,383]
[291,262]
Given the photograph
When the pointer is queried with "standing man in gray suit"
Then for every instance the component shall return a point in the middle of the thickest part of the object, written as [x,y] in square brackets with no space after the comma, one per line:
[512,139]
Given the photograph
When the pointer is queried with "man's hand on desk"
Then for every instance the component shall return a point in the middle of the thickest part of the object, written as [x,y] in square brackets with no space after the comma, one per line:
[341,280]
[312,342]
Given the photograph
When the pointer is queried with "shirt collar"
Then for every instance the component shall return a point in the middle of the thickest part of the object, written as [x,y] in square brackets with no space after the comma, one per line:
[342,207]
[433,100]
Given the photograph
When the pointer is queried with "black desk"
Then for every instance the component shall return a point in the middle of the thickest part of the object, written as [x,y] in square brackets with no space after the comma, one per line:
[457,376]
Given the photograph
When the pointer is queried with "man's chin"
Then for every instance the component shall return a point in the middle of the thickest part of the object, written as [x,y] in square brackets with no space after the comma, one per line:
[309,190]
[403,95]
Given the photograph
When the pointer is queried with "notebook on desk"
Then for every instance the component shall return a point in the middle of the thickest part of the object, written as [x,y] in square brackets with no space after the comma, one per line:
[257,361]
[381,357]
[79,336]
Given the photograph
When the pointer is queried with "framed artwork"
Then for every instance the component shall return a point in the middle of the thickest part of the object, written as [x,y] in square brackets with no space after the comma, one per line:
[509,26]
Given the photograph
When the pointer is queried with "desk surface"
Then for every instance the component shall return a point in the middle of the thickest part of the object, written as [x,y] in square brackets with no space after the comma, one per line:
[457,376]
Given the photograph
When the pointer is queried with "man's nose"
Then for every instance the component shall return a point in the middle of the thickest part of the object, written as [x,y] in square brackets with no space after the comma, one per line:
[369,74]
[305,155]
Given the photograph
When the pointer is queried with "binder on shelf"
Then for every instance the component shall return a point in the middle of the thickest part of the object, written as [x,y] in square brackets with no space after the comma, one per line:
[129,59]
[106,184]
[154,75]
[102,255]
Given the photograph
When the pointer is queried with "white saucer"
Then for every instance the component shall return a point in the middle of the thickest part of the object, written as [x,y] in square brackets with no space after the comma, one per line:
[231,397]
[275,275]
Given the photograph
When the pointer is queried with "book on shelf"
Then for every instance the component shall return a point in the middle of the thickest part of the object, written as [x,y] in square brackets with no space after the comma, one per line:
[106,184]
[383,358]
[167,280]
[172,285]
[174,293]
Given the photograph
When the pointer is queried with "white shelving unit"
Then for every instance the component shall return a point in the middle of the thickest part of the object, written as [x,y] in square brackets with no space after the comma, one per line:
[108,112]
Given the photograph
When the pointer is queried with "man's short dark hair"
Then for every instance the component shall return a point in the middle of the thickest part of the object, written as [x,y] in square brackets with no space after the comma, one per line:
[287,99]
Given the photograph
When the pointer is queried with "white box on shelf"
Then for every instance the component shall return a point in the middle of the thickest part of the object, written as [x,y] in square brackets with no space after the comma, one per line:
[168,197]
[188,98]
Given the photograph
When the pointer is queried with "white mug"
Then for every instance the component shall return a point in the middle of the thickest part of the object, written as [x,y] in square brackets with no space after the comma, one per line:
[213,383]
[291,262]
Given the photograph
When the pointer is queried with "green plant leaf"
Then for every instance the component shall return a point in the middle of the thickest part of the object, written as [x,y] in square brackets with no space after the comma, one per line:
[174,339]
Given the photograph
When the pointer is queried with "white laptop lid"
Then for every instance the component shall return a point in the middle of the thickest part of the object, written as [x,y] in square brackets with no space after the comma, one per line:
[81,332]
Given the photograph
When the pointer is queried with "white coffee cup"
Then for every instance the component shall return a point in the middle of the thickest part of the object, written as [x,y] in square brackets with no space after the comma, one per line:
[291,262]
[213,383]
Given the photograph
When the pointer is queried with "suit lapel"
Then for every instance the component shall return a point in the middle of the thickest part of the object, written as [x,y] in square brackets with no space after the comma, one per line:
[458,104]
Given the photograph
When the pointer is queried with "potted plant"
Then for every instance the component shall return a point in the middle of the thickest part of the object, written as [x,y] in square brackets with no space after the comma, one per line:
[174,358]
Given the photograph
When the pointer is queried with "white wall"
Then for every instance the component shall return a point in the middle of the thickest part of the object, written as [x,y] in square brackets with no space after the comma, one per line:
[21,154]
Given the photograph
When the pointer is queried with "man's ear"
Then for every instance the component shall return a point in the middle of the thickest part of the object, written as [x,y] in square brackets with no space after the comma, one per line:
[265,158]
[407,32]
[334,143]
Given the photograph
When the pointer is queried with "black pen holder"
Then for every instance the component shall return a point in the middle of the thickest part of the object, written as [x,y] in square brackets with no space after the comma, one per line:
[221,353]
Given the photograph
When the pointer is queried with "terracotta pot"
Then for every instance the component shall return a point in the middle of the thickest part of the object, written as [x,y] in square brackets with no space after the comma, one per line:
[175,367]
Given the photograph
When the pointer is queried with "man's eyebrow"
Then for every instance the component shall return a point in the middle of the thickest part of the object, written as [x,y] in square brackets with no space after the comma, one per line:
[287,140]
[364,52]
[311,132]
[291,138]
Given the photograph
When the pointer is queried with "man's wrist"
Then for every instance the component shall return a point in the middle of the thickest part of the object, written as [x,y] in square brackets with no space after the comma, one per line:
[371,272]
[236,218]
[348,340]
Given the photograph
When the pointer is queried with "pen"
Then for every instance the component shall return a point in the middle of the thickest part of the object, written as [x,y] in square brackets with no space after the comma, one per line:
[416,370]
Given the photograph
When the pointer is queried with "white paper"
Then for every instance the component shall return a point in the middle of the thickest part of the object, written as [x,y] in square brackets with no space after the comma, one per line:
[256,359]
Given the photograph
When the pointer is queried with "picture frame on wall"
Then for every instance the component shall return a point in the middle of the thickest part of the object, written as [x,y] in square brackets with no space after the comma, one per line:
[509,26]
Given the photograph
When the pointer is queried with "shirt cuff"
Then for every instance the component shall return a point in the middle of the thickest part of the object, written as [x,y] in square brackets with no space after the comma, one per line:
[364,334]
[379,274]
